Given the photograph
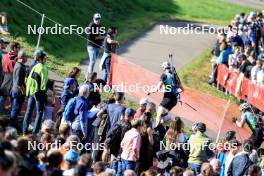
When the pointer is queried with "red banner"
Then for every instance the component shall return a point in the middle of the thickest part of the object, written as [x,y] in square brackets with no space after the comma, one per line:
[250,92]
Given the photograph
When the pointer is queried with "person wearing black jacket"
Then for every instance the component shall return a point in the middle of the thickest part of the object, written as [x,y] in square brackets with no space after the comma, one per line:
[95,38]
[19,86]
[114,138]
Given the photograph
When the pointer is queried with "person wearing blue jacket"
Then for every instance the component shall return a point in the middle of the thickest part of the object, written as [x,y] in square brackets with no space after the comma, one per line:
[69,85]
[241,162]
[80,122]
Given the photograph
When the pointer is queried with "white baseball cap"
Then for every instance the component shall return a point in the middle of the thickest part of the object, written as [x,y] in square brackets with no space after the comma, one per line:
[144,101]
[97,16]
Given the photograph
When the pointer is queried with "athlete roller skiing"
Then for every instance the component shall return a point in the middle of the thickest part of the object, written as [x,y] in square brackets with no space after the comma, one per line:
[172,87]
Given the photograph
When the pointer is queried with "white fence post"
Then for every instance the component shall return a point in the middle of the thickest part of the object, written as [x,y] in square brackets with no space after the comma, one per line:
[41,27]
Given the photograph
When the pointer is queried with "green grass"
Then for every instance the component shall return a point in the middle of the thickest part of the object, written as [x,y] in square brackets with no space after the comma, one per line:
[209,11]
[131,17]
[196,75]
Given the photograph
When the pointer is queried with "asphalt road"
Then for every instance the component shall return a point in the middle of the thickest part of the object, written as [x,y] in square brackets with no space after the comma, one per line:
[151,48]
[249,3]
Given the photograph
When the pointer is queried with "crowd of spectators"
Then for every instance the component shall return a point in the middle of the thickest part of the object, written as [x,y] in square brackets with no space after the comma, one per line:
[241,47]
[90,135]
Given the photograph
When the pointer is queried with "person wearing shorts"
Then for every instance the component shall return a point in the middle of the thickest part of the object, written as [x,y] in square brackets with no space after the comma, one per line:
[171,85]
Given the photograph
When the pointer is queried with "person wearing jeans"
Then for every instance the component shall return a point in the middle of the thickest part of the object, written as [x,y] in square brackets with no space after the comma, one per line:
[130,145]
[19,87]
[109,47]
[32,103]
[93,55]
[95,36]
[37,92]
[106,65]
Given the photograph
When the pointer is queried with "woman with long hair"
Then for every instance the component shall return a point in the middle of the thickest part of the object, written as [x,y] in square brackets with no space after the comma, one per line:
[147,141]
[175,133]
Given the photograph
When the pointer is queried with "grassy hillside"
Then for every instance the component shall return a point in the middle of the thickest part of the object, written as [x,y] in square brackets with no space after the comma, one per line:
[201,67]
[131,17]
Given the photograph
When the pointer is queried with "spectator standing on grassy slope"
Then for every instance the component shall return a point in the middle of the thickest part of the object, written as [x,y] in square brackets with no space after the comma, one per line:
[95,38]
[36,89]
[19,87]
[8,63]
[109,45]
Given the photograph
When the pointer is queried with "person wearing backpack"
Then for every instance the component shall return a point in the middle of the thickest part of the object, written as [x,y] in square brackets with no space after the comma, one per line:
[253,121]
[115,111]
[79,112]
[115,136]
[36,90]
[100,129]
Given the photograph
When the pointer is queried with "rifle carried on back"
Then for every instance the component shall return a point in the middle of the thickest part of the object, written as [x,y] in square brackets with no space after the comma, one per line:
[174,72]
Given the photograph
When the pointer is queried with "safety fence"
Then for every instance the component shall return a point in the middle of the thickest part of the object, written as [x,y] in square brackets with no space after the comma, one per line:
[240,86]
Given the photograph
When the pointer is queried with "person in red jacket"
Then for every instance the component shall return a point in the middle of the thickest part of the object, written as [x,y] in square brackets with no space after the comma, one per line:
[8,63]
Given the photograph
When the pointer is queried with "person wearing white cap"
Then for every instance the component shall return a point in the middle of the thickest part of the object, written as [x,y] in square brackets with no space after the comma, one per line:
[172,87]
[142,108]
[95,34]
